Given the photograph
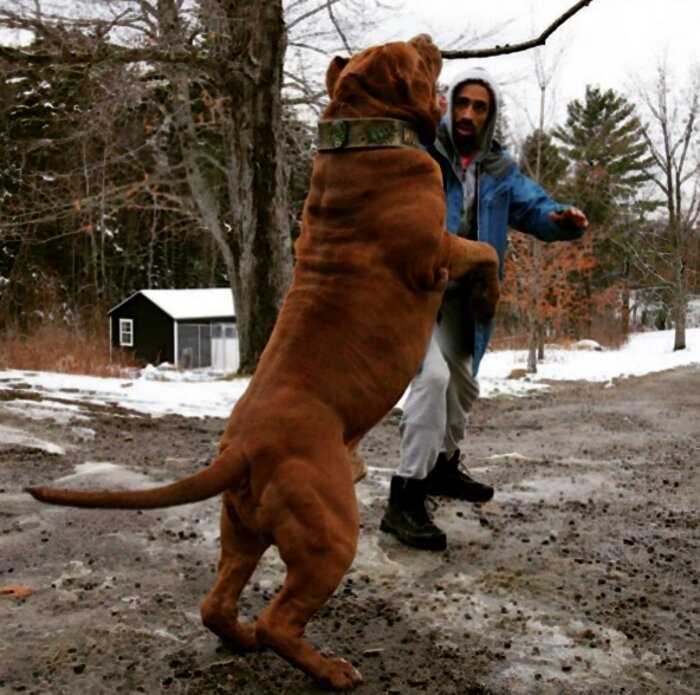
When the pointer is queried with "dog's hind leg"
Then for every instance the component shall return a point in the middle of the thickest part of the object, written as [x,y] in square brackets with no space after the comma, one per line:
[240,554]
[317,541]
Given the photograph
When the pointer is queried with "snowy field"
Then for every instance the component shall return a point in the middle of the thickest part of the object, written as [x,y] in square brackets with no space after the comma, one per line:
[200,393]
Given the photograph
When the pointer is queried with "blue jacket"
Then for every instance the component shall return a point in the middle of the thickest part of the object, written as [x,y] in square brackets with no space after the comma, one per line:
[505,198]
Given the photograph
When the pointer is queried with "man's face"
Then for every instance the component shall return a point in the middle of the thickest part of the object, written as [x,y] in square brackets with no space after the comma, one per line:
[471,106]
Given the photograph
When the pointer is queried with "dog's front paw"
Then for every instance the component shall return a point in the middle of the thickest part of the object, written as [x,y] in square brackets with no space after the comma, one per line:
[484,297]
[340,675]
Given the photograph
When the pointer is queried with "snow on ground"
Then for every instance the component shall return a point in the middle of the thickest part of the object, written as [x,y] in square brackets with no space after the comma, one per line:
[12,436]
[189,394]
[643,354]
[159,391]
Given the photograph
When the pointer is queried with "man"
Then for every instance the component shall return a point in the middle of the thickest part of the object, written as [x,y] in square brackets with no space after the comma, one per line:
[485,194]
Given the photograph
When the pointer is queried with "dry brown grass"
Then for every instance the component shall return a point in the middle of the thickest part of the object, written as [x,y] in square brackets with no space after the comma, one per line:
[58,348]
[605,330]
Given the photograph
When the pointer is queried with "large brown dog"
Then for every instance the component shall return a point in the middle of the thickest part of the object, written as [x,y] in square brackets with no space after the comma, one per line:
[372,262]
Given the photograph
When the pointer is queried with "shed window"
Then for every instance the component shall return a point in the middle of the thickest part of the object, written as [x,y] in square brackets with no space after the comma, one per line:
[126,332]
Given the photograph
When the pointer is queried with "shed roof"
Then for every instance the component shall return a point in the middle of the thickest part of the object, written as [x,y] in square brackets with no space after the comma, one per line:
[190,304]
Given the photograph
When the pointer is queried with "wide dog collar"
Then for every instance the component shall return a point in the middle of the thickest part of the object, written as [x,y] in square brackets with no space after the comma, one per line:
[354,133]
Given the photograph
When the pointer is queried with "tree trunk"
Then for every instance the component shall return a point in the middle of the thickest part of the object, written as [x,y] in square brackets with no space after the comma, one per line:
[679,334]
[151,245]
[680,306]
[536,330]
[91,272]
[248,43]
[625,310]
[534,323]
[257,171]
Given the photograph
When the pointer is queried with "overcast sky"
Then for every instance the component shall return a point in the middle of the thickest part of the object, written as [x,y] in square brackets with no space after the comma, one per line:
[604,44]
[608,43]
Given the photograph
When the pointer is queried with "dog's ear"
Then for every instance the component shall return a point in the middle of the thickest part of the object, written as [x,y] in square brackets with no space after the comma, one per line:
[429,52]
[414,86]
[334,69]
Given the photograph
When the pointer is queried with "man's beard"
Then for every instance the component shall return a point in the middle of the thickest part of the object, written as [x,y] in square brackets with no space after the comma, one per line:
[466,143]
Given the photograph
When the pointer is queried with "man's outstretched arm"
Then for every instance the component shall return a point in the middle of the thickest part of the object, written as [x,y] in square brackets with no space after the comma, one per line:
[533,211]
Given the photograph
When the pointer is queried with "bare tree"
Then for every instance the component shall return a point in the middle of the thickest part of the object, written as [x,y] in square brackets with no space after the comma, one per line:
[239,189]
[544,75]
[507,48]
[235,49]
[673,136]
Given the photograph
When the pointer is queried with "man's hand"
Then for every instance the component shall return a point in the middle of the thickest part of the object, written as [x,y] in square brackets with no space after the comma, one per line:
[569,218]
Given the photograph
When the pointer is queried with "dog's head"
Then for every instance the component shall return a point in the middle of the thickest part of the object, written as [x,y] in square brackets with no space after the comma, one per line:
[396,80]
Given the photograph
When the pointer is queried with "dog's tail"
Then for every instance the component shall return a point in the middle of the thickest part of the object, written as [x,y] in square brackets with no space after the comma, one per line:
[225,472]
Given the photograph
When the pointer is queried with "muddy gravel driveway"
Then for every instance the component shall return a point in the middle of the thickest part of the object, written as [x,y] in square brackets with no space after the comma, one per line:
[580,577]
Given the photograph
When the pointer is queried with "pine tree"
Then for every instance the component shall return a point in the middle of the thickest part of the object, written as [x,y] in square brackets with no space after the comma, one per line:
[604,140]
[543,161]
[611,167]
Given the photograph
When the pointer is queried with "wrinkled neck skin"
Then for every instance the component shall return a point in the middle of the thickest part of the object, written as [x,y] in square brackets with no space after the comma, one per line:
[373,108]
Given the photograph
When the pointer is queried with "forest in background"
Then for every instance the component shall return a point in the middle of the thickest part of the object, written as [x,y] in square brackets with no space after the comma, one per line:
[125,171]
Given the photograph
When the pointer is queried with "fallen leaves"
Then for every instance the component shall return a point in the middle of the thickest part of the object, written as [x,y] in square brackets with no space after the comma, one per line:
[16,591]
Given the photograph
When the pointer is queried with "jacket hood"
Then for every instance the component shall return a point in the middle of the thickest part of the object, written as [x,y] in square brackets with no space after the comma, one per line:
[475,74]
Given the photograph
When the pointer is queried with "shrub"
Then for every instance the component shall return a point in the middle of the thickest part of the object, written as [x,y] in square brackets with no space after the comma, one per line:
[59,348]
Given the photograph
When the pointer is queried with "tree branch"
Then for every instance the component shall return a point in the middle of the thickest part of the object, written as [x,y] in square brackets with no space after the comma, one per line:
[343,38]
[308,47]
[115,54]
[308,100]
[518,47]
[310,13]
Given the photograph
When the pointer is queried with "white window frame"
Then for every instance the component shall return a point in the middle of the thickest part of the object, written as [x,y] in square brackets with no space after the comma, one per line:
[127,324]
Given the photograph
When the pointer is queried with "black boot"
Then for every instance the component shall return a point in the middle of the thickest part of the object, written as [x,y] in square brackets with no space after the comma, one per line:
[448,480]
[407,518]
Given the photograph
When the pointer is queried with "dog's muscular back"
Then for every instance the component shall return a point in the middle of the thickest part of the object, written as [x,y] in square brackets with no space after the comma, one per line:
[363,302]
[366,267]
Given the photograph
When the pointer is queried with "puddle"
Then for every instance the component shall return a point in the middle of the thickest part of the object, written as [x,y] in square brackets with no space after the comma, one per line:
[546,650]
[574,487]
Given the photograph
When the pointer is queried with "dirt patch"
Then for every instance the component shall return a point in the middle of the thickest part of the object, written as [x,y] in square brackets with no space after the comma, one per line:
[580,577]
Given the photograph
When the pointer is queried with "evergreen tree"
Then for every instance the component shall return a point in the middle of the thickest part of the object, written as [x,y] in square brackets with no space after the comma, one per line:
[611,165]
[542,160]
[604,140]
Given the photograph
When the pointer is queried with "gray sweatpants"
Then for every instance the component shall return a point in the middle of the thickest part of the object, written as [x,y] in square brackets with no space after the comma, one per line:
[441,394]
